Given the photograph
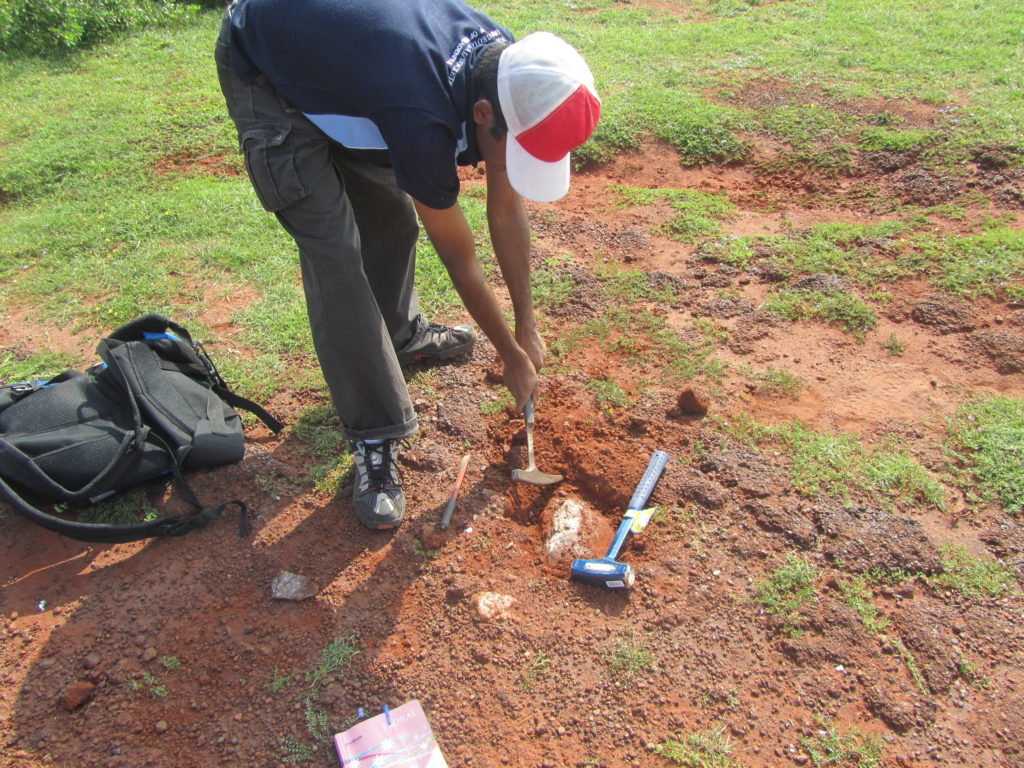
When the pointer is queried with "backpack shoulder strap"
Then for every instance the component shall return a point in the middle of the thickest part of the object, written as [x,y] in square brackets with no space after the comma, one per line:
[237,401]
[118,534]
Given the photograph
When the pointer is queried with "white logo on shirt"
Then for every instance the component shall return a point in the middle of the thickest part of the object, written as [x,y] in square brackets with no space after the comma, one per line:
[466,46]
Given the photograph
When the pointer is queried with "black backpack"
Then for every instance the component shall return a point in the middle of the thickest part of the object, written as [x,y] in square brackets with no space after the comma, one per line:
[154,406]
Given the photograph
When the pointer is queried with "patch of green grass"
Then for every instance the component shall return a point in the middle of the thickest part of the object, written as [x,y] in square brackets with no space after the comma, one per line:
[837,464]
[862,253]
[910,660]
[834,463]
[276,323]
[987,437]
[279,681]
[331,478]
[295,751]
[805,125]
[988,263]
[336,657]
[616,134]
[147,681]
[712,331]
[856,595]
[622,284]
[741,427]
[877,575]
[439,300]
[502,402]
[129,508]
[820,462]
[896,474]
[774,381]
[704,749]
[969,672]
[686,357]
[788,589]
[527,678]
[319,432]
[640,335]
[53,28]
[737,251]
[704,133]
[424,553]
[37,366]
[608,394]
[259,377]
[973,576]
[893,346]
[841,248]
[845,310]
[897,140]
[829,162]
[631,659]
[550,284]
[694,214]
[830,748]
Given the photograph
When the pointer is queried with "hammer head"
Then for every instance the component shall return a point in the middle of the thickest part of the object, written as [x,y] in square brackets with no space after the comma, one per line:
[535,477]
[603,572]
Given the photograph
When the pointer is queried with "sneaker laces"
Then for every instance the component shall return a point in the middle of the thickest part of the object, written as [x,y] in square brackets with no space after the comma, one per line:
[378,461]
[433,329]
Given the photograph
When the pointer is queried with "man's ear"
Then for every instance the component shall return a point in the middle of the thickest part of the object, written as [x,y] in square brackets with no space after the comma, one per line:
[483,113]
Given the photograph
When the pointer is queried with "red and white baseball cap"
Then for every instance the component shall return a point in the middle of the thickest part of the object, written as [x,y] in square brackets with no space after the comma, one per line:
[547,95]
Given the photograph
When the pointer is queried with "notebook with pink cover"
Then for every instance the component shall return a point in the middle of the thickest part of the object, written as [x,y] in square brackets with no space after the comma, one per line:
[405,741]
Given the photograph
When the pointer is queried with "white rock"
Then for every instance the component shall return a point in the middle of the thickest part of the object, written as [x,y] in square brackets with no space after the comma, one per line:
[493,606]
[565,539]
[292,586]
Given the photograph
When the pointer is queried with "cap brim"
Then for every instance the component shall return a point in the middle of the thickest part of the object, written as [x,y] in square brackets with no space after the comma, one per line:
[535,179]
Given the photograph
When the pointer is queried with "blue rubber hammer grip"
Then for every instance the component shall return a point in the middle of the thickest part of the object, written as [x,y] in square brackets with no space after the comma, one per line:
[646,485]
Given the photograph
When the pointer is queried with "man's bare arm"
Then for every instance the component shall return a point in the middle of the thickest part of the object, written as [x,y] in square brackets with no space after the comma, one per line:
[453,240]
[510,236]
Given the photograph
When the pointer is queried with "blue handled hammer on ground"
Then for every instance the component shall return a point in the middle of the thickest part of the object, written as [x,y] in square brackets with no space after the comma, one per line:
[607,572]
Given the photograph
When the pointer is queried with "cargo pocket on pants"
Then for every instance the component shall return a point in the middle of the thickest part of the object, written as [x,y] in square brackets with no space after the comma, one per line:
[270,161]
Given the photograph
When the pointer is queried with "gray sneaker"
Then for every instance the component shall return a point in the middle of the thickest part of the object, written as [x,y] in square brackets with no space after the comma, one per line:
[434,342]
[377,490]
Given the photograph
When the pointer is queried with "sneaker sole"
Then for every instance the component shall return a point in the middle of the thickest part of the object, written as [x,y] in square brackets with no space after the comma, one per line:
[379,524]
[446,355]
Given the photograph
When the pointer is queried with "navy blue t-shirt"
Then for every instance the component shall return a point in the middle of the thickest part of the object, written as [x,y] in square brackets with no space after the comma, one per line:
[388,75]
